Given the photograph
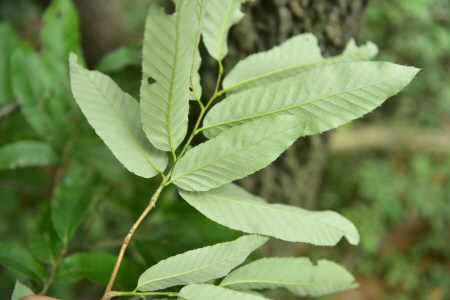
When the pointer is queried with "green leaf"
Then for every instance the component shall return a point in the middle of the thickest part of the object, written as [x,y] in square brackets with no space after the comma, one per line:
[236,153]
[120,58]
[97,267]
[71,200]
[220,16]
[196,88]
[41,79]
[296,55]
[41,99]
[212,292]
[114,115]
[20,291]
[19,259]
[236,208]
[8,41]
[43,241]
[26,154]
[298,275]
[168,55]
[199,265]
[89,150]
[254,293]
[326,97]
[60,36]
[354,53]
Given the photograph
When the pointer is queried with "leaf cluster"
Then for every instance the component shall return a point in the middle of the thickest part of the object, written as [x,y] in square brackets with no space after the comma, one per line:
[271,99]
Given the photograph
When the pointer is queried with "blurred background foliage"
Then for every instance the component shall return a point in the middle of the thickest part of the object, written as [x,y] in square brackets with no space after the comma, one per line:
[396,191]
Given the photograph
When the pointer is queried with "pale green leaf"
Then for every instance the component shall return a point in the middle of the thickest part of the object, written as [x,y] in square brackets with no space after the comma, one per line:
[19,259]
[254,293]
[26,154]
[296,55]
[236,153]
[70,201]
[220,16]
[298,275]
[236,208]
[20,291]
[212,292]
[275,64]
[196,88]
[168,58]
[326,97]
[114,115]
[199,265]
[97,267]
[354,53]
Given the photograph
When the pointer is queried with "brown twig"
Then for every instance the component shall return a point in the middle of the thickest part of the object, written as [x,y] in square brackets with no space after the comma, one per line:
[107,295]
[9,109]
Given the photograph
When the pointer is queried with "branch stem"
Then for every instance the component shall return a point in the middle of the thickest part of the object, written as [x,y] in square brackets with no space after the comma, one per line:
[108,293]
[55,265]
[202,113]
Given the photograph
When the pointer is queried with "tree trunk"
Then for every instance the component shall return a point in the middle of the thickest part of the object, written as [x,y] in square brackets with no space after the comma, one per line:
[101,28]
[295,177]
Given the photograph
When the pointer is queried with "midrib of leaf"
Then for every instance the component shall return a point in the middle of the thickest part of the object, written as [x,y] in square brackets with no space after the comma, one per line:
[222,29]
[274,209]
[223,157]
[172,81]
[191,271]
[295,106]
[278,72]
[123,124]
[263,76]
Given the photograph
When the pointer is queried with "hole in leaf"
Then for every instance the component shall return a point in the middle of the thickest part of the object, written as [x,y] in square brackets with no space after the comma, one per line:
[59,15]
[169,7]
[150,80]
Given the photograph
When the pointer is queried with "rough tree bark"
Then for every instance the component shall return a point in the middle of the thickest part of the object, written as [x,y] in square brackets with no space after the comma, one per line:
[295,177]
[102,29]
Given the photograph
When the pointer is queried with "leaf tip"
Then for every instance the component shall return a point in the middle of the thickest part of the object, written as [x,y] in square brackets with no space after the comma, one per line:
[353,238]
[73,57]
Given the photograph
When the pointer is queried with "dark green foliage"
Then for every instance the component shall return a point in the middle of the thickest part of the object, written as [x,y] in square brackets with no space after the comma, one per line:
[400,204]
[87,201]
